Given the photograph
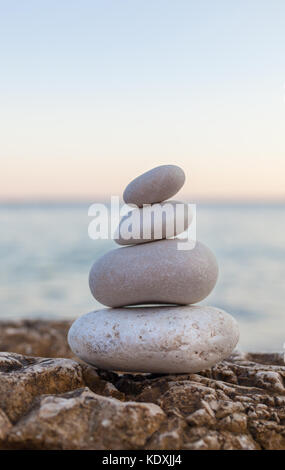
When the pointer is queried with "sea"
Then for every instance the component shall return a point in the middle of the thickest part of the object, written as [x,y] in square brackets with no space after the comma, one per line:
[46,255]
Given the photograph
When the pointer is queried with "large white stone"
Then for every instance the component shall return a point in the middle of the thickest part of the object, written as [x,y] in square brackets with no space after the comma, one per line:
[153,222]
[156,185]
[155,272]
[154,339]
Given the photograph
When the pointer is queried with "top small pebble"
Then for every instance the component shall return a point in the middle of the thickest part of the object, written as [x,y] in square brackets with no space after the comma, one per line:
[155,185]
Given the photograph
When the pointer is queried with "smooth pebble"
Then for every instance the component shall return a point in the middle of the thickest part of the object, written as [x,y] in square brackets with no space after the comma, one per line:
[154,339]
[153,222]
[155,185]
[156,272]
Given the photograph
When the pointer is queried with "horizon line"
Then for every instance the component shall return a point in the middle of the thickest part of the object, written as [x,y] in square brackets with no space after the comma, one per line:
[102,199]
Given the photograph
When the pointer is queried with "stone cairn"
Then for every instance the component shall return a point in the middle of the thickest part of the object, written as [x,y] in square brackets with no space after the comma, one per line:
[175,337]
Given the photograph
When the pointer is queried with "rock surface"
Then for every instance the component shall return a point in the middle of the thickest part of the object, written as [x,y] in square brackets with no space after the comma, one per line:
[156,185]
[154,339]
[45,338]
[157,272]
[62,404]
[238,404]
[153,222]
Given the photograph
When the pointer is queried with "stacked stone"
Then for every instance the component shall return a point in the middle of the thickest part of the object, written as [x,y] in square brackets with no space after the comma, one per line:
[173,338]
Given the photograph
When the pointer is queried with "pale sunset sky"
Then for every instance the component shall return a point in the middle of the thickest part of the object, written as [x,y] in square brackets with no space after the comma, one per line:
[94,92]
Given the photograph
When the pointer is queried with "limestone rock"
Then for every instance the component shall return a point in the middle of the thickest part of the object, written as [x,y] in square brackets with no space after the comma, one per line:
[84,420]
[23,378]
[5,426]
[45,338]
[237,404]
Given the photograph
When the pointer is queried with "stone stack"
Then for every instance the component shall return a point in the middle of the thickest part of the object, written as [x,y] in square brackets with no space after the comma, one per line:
[173,338]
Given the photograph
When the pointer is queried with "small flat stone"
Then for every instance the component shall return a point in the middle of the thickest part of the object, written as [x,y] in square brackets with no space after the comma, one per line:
[155,185]
[156,272]
[154,339]
[153,222]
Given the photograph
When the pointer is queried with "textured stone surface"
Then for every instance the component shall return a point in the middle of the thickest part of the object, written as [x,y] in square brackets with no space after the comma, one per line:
[61,404]
[46,338]
[85,420]
[156,185]
[156,272]
[23,378]
[154,339]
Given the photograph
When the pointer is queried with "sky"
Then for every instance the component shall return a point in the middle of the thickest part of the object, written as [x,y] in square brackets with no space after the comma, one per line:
[95,92]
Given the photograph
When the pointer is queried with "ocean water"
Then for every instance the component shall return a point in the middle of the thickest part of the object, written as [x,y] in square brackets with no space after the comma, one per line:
[46,255]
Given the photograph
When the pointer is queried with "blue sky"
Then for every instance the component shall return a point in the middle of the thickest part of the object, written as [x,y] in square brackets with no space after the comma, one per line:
[94,92]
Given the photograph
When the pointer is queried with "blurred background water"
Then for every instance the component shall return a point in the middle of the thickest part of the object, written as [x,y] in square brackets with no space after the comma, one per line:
[46,255]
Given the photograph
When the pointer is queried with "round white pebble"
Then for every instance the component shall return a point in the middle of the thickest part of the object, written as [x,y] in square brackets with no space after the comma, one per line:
[154,339]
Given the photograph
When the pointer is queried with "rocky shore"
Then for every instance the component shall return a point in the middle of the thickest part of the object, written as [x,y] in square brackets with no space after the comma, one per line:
[49,400]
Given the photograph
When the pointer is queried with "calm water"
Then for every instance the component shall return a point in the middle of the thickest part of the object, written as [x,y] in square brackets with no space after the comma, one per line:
[46,255]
